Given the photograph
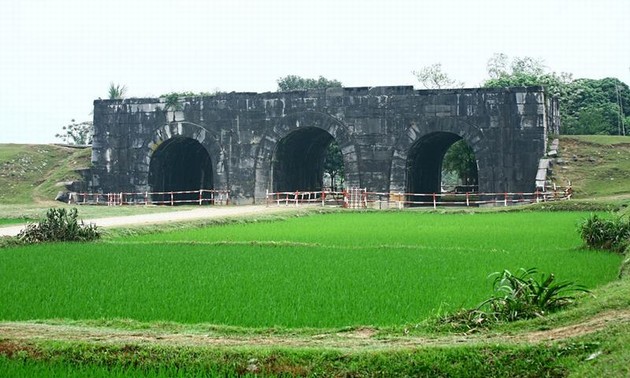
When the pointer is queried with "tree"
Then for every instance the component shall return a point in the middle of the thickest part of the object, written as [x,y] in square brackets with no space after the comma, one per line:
[77,133]
[333,164]
[524,72]
[432,77]
[117,91]
[595,107]
[294,83]
[460,159]
[172,103]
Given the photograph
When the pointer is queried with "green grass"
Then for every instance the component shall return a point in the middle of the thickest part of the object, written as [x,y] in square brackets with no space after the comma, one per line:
[30,173]
[484,361]
[12,221]
[329,270]
[596,165]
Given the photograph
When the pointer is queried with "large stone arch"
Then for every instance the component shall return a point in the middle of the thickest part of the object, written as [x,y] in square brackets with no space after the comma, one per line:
[425,128]
[185,130]
[294,122]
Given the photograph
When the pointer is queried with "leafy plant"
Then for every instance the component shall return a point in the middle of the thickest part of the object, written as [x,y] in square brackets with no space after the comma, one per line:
[79,133]
[116,91]
[522,296]
[606,233]
[517,296]
[294,83]
[58,225]
[432,77]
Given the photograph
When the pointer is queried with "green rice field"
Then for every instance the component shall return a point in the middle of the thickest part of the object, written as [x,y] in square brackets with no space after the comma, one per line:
[328,270]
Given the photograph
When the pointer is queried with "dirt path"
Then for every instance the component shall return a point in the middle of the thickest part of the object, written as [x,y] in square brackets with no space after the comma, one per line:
[207,212]
[357,340]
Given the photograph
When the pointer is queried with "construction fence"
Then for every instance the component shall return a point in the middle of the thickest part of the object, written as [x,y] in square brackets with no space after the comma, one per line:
[359,198]
[351,198]
[194,197]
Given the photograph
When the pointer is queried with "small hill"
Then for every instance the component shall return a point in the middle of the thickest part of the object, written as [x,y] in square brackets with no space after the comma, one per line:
[31,173]
[597,166]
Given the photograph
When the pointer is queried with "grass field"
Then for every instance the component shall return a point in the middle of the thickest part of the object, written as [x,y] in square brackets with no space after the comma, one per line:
[331,270]
[31,172]
[596,165]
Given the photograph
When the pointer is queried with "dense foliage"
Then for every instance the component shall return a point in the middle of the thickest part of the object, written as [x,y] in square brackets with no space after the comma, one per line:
[606,233]
[58,225]
[294,83]
[460,159]
[333,166]
[587,106]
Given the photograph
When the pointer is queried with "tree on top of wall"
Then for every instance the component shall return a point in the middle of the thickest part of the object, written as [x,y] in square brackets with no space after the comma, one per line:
[587,106]
[116,91]
[432,77]
[295,82]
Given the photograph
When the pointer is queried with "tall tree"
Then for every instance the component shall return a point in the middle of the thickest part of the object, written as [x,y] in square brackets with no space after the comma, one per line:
[596,107]
[432,77]
[294,83]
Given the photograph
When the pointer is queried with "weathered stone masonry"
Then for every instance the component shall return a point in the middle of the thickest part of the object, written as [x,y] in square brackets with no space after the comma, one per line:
[390,137]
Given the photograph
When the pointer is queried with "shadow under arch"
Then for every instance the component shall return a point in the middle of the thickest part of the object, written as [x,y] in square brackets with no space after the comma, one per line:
[302,137]
[183,156]
[419,152]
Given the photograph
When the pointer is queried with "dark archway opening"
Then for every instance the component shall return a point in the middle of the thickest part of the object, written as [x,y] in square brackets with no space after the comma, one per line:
[180,164]
[303,158]
[426,162]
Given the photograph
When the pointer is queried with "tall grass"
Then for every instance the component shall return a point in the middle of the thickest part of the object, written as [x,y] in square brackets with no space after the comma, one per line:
[319,271]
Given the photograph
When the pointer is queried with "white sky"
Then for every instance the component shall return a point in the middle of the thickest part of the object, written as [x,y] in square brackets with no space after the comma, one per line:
[57,56]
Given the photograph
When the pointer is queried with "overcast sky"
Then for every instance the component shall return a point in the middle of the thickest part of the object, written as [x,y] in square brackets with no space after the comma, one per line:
[57,56]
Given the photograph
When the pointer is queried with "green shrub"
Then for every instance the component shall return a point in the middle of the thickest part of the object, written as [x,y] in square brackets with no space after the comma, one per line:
[606,233]
[522,296]
[624,270]
[517,296]
[58,225]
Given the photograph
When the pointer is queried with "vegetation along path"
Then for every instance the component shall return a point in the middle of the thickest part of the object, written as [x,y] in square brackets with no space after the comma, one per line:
[358,339]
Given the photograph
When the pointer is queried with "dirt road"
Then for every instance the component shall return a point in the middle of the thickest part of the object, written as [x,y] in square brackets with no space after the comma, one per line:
[207,212]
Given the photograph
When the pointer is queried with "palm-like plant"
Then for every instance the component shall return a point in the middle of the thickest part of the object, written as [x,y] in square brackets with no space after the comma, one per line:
[117,91]
[172,103]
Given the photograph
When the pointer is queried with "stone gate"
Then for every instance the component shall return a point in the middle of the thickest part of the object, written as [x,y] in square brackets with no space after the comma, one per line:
[392,139]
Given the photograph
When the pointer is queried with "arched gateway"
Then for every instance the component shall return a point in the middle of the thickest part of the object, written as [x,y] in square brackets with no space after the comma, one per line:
[392,139]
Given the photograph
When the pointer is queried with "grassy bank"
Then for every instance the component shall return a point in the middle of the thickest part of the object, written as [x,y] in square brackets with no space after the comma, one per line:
[32,173]
[596,165]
